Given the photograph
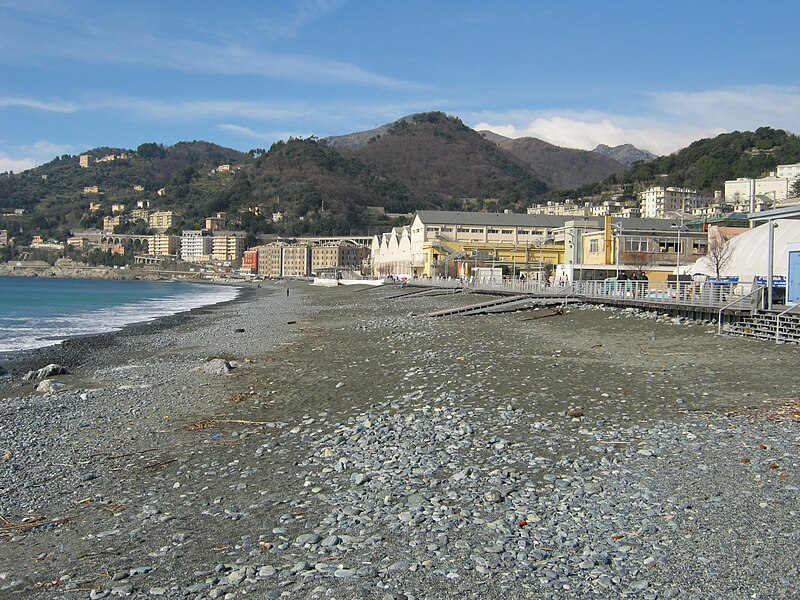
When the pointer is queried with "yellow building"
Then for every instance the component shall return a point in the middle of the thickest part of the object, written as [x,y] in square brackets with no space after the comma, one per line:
[445,243]
[109,223]
[165,245]
[296,260]
[161,219]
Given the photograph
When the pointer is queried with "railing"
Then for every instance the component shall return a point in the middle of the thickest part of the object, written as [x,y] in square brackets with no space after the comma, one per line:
[755,297]
[706,294]
[778,322]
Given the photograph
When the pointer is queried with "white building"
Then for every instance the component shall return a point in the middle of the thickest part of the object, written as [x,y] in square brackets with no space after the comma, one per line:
[391,253]
[788,171]
[658,201]
[196,245]
[754,195]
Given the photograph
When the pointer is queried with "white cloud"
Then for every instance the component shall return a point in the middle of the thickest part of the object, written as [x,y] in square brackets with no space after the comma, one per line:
[228,49]
[669,121]
[201,109]
[736,108]
[15,164]
[288,27]
[263,136]
[65,107]
[589,130]
[22,158]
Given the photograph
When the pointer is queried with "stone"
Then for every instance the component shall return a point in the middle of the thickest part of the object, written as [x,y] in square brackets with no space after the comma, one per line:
[48,371]
[48,386]
[215,367]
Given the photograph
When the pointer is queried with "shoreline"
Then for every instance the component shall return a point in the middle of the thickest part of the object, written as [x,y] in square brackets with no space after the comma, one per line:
[358,451]
[9,358]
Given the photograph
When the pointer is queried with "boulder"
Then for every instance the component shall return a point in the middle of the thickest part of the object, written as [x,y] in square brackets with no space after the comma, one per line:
[45,372]
[48,386]
[215,366]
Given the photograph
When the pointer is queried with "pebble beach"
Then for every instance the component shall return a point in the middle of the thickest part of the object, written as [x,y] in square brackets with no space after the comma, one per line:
[351,447]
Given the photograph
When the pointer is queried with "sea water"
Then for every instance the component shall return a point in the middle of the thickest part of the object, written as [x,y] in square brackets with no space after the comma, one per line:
[37,312]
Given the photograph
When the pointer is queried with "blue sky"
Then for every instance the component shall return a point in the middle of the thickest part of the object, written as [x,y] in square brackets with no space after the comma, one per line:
[659,75]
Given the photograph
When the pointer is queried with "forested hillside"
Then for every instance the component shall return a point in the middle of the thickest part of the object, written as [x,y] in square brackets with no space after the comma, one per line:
[706,164]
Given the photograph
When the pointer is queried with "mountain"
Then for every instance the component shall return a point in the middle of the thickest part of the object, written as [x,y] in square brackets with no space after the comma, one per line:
[494,137]
[627,154]
[53,194]
[560,168]
[706,164]
[440,159]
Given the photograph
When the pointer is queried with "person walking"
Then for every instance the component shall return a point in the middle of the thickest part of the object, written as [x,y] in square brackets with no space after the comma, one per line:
[287,292]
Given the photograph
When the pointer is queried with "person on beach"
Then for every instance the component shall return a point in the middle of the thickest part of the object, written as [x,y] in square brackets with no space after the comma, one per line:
[287,292]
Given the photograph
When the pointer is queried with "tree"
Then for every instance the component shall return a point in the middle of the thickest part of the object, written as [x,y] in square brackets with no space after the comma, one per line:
[796,188]
[720,251]
[640,261]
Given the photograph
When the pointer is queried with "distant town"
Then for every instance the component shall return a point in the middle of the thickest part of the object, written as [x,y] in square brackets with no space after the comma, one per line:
[653,236]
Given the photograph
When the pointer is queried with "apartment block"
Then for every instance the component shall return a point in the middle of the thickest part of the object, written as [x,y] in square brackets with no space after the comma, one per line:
[84,160]
[657,201]
[227,246]
[338,255]
[296,260]
[3,237]
[165,245]
[270,260]
[109,223]
[216,222]
[250,260]
[161,219]
[196,245]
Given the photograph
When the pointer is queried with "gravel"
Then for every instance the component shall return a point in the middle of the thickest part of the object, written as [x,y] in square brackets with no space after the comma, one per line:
[350,449]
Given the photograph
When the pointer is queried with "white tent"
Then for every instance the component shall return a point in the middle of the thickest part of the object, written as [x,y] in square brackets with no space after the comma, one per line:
[750,252]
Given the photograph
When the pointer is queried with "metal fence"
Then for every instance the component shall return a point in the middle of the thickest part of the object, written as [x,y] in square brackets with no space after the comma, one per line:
[709,294]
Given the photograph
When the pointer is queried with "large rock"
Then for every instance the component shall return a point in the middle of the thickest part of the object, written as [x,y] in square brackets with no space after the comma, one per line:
[215,366]
[48,386]
[45,372]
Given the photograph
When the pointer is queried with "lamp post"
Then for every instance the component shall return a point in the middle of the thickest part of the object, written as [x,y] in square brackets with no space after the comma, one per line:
[618,227]
[679,226]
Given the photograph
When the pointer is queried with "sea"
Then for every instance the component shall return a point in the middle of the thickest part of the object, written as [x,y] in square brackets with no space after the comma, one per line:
[37,312]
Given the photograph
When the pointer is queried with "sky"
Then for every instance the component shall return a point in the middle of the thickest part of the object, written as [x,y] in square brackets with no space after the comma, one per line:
[658,75]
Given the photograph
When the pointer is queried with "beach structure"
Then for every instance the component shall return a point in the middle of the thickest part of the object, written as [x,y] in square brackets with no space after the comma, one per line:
[451,244]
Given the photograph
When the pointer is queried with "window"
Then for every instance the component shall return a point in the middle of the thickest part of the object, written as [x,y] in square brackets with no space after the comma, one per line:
[492,231]
[635,244]
[594,246]
[506,231]
[522,232]
[476,230]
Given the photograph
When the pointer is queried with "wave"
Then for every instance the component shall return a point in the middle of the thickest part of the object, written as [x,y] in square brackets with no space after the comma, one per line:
[21,333]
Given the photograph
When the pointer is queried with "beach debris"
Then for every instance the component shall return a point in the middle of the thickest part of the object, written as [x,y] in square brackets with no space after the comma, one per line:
[493,497]
[555,312]
[49,386]
[576,412]
[30,523]
[48,371]
[205,423]
[215,366]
